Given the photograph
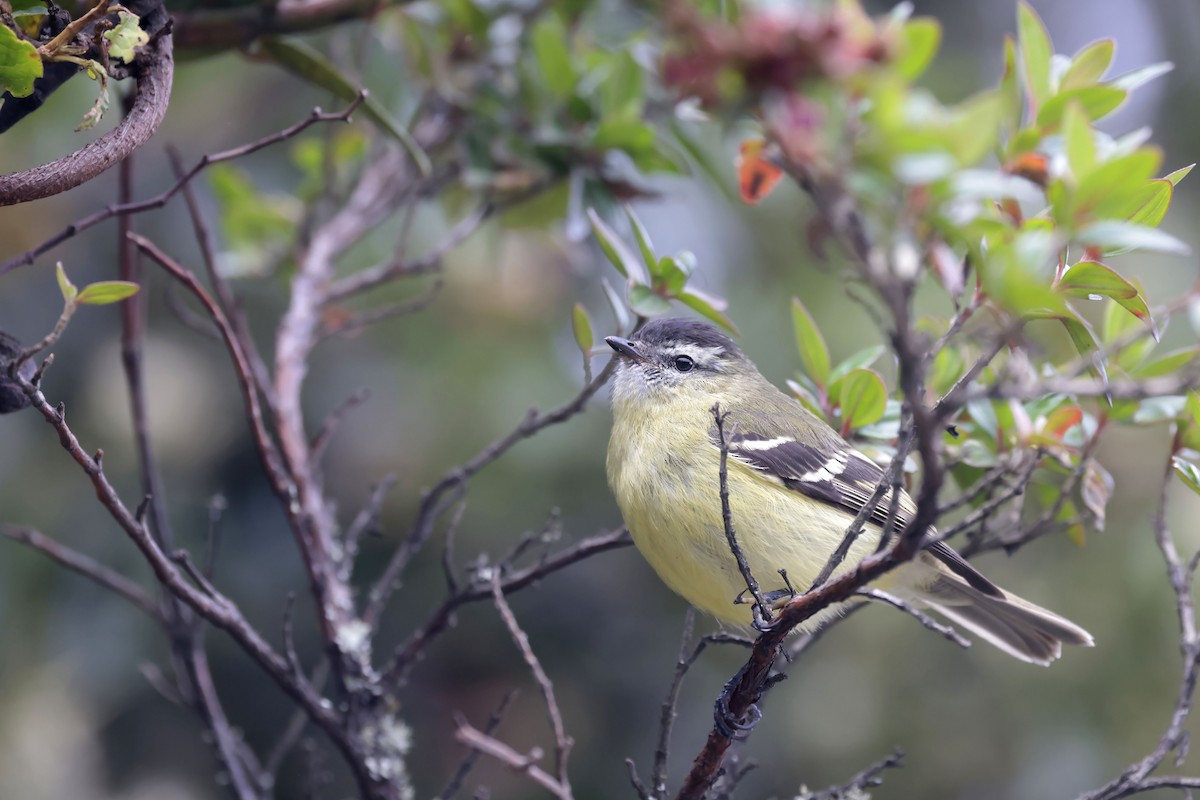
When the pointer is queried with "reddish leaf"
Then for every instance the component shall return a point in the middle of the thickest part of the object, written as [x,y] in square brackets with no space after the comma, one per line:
[756,175]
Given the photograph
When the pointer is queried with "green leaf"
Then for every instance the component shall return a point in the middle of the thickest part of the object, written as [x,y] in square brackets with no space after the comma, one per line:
[125,37]
[616,304]
[643,239]
[581,326]
[549,39]
[304,61]
[616,252]
[1085,341]
[1168,364]
[921,39]
[630,135]
[863,399]
[1179,174]
[1188,472]
[1143,75]
[811,345]
[1113,235]
[68,289]
[20,64]
[1088,66]
[1079,142]
[1096,102]
[1149,204]
[708,306]
[621,93]
[973,131]
[806,398]
[1092,280]
[1010,89]
[646,303]
[860,360]
[1107,190]
[105,292]
[1035,53]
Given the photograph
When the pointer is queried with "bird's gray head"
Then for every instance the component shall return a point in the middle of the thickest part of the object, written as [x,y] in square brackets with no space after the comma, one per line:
[674,354]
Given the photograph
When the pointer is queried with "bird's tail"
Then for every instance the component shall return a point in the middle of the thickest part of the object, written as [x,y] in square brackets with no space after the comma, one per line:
[1016,626]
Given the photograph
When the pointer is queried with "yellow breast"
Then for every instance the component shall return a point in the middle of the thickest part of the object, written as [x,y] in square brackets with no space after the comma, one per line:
[666,483]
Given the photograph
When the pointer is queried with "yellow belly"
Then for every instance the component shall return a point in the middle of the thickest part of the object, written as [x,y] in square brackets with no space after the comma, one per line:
[684,540]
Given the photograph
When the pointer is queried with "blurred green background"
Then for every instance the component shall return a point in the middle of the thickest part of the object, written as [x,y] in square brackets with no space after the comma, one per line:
[78,721]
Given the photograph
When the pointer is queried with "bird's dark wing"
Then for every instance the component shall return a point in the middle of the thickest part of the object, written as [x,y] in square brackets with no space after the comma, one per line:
[842,477]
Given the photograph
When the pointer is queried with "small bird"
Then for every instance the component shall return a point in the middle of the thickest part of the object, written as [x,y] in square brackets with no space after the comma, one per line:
[794,487]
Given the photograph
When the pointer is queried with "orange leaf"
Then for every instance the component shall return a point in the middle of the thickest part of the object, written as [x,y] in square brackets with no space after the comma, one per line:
[1031,166]
[756,175]
[1062,420]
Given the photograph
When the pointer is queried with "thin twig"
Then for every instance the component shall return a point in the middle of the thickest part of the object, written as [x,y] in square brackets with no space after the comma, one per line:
[863,780]
[926,620]
[87,567]
[524,764]
[727,517]
[161,200]
[562,742]
[472,756]
[432,504]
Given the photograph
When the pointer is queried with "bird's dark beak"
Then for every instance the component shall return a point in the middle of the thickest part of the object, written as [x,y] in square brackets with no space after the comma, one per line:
[626,348]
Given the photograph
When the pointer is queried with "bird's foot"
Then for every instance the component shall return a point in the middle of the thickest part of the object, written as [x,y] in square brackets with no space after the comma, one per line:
[729,725]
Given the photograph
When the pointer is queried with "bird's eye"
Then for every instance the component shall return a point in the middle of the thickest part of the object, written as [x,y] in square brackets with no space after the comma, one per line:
[684,363]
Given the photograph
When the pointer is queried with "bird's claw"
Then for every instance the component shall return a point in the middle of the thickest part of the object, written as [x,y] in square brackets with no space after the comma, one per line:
[727,724]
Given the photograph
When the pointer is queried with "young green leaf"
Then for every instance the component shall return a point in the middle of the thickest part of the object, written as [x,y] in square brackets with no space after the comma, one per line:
[1080,145]
[646,303]
[549,39]
[1114,235]
[1092,280]
[708,306]
[1088,66]
[861,360]
[1188,472]
[1179,174]
[811,345]
[1141,76]
[125,37]
[863,399]
[581,326]
[615,250]
[1168,364]
[1149,204]
[20,64]
[1035,53]
[68,289]
[105,292]
[1096,101]
[643,239]
[806,398]
[921,39]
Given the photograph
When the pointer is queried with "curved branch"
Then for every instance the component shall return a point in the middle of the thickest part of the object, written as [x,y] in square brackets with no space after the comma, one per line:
[149,108]
[210,29]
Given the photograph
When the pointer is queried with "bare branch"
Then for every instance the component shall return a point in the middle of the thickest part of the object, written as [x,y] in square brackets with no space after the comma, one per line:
[1136,778]
[443,616]
[562,742]
[161,200]
[432,504]
[526,764]
[854,787]
[760,607]
[87,567]
[468,762]
[926,620]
